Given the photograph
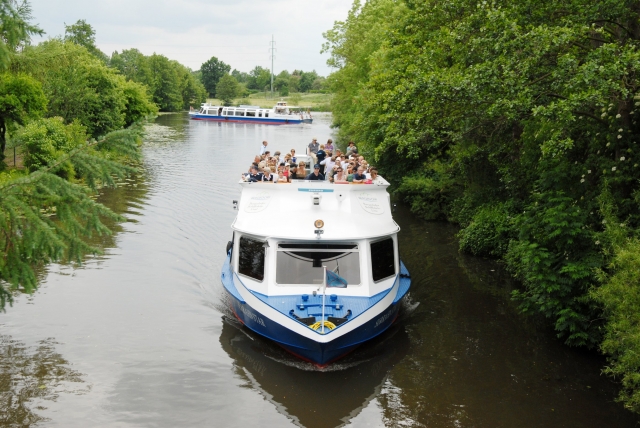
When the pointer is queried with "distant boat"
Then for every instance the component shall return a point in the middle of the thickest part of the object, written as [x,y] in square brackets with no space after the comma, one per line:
[280,114]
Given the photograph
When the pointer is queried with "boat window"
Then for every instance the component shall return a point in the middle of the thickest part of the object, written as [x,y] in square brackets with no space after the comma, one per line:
[295,263]
[224,112]
[239,112]
[260,114]
[266,114]
[212,112]
[251,258]
[382,259]
[251,113]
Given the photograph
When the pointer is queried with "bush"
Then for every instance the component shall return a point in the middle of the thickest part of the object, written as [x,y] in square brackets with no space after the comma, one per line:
[489,232]
[44,140]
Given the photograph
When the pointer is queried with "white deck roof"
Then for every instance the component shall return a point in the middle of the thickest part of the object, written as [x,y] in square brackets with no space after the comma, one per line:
[349,211]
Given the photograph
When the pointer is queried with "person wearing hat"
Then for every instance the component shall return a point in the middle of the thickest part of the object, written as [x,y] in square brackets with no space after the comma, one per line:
[312,149]
[316,175]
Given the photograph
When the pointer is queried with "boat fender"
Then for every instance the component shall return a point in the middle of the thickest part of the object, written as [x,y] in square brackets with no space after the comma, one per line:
[229,246]
[327,324]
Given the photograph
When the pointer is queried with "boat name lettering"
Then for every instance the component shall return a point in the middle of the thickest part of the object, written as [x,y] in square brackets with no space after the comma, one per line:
[383,318]
[258,202]
[251,315]
[370,203]
[316,190]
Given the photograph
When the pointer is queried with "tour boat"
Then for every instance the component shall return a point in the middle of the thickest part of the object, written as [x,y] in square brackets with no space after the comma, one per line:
[280,114]
[314,266]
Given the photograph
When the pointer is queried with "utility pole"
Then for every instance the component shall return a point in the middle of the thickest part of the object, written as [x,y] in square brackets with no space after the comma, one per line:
[273,56]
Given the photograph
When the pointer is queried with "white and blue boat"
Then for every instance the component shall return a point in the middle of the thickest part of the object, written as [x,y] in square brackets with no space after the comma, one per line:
[314,266]
[280,114]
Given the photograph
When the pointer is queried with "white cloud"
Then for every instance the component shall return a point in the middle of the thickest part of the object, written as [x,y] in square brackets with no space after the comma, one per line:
[236,31]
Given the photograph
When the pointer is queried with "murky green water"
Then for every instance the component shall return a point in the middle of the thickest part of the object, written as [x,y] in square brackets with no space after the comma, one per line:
[141,337]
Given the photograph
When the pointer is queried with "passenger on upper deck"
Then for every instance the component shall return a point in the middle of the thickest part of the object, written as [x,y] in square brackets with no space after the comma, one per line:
[338,176]
[359,176]
[375,178]
[293,172]
[312,149]
[329,146]
[263,148]
[267,176]
[351,149]
[253,176]
[302,172]
[316,175]
[320,155]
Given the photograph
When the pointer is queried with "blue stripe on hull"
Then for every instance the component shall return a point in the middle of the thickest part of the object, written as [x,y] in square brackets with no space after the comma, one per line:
[240,119]
[304,347]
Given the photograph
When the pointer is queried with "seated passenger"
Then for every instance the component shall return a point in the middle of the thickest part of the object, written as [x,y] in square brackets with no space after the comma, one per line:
[254,175]
[351,147]
[339,177]
[293,171]
[375,178]
[316,175]
[359,176]
[301,173]
[350,173]
[267,176]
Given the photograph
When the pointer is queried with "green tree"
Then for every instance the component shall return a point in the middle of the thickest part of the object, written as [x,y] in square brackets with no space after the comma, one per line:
[212,71]
[138,104]
[15,29]
[83,34]
[133,65]
[21,98]
[306,81]
[192,90]
[259,78]
[165,83]
[29,233]
[227,89]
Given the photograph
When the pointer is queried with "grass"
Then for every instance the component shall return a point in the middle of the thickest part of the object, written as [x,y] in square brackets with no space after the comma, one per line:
[312,101]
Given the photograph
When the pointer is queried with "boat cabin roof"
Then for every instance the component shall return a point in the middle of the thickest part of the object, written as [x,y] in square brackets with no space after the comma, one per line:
[292,210]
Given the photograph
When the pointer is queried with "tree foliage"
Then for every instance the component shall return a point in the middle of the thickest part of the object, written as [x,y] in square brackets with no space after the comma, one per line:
[21,98]
[15,29]
[44,216]
[211,72]
[227,89]
[83,34]
[173,87]
[512,114]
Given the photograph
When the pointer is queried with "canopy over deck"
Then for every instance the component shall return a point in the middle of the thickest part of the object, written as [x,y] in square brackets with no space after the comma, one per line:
[291,211]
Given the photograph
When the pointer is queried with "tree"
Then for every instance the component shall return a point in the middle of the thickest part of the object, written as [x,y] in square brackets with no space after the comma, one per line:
[192,90]
[212,71]
[165,83]
[227,89]
[83,34]
[306,80]
[240,76]
[15,29]
[21,98]
[133,65]
[259,78]
[138,105]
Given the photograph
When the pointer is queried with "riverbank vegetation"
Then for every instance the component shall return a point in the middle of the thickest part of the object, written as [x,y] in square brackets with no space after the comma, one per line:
[518,121]
[76,124]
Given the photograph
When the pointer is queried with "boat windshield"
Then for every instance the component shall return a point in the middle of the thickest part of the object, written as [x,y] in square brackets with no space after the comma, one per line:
[295,263]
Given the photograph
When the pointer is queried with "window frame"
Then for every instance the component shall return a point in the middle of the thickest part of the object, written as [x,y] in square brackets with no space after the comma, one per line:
[264,263]
[395,257]
[357,249]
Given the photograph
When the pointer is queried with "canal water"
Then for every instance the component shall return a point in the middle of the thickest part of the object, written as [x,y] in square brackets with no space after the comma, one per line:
[140,336]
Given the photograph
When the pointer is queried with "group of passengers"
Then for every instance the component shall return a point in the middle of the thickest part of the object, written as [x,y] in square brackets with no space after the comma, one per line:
[326,163]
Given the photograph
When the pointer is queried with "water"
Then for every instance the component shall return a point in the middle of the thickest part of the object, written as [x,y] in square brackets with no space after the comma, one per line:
[140,336]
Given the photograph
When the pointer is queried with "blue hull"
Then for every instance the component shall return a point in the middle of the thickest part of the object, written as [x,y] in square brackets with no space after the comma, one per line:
[302,346]
[241,119]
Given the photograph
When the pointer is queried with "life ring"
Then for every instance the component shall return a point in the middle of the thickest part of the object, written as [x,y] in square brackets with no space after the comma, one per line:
[327,324]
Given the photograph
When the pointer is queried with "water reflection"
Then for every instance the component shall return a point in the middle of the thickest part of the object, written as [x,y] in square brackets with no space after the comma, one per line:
[310,397]
[30,376]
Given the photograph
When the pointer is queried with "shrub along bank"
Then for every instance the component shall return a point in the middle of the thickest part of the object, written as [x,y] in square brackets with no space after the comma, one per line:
[517,120]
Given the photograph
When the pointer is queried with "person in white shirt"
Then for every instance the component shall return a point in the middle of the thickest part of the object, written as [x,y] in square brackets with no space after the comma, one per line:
[328,163]
[263,148]
[375,178]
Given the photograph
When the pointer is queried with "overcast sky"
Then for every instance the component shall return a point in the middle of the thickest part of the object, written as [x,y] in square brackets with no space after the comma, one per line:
[236,31]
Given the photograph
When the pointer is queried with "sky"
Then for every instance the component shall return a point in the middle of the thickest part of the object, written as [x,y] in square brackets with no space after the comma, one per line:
[237,32]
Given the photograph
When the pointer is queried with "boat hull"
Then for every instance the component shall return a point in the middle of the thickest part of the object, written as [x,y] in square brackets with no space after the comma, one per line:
[240,119]
[320,353]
